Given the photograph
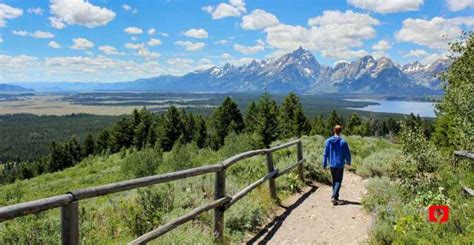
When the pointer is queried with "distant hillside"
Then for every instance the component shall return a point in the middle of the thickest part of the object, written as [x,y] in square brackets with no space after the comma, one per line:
[8,88]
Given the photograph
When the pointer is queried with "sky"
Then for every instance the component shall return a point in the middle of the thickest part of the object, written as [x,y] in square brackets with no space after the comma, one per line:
[123,40]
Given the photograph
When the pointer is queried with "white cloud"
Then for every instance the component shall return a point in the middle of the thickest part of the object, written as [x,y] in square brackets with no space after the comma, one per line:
[126,7]
[8,12]
[151,31]
[190,46]
[42,35]
[134,45]
[1,39]
[54,44]
[196,33]
[107,49]
[381,45]
[78,12]
[129,8]
[82,44]
[258,19]
[222,42]
[37,11]
[36,34]
[434,33]
[334,34]
[20,33]
[142,50]
[223,10]
[154,42]
[179,61]
[163,34]
[417,53]
[132,30]
[383,6]
[457,5]
[226,56]
[147,54]
[260,46]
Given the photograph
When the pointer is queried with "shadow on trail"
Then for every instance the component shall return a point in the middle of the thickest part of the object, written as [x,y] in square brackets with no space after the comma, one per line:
[270,229]
[346,202]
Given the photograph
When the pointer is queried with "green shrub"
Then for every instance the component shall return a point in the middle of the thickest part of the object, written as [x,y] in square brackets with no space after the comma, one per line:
[142,163]
[380,163]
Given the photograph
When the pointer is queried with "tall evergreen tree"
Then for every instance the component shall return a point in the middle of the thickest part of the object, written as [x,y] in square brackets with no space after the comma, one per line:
[200,135]
[121,134]
[333,120]
[268,129]
[75,150]
[293,121]
[318,126]
[251,117]
[102,143]
[171,128]
[354,121]
[143,122]
[89,145]
[226,118]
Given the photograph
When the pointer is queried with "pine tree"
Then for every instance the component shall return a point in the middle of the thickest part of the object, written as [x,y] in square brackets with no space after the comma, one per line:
[89,145]
[293,121]
[121,134]
[318,126]
[333,120]
[102,143]
[354,121]
[200,135]
[75,150]
[143,121]
[268,129]
[171,128]
[226,118]
[251,117]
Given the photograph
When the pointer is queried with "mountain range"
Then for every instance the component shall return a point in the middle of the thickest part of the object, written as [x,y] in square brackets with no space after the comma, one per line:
[297,71]
[8,88]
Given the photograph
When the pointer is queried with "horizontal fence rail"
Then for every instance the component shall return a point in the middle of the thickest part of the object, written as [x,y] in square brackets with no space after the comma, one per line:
[469,155]
[69,202]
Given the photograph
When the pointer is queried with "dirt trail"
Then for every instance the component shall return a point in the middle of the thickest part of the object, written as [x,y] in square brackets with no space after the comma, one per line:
[310,218]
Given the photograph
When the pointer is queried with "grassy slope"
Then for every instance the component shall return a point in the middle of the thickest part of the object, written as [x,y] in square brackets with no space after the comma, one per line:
[111,218]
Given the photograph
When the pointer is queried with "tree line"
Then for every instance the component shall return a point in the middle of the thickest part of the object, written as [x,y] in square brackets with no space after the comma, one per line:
[264,120]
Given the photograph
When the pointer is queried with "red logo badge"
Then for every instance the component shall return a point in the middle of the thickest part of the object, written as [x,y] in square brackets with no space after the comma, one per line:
[438,213]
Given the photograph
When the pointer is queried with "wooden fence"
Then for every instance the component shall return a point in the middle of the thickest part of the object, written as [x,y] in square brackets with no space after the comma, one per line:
[69,202]
[468,155]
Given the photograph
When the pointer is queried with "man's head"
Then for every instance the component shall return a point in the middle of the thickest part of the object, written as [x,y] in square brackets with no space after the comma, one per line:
[337,129]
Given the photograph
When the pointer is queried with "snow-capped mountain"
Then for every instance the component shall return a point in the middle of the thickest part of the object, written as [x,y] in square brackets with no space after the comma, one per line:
[299,71]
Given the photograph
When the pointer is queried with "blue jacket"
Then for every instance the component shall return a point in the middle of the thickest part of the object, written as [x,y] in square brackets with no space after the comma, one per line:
[337,151]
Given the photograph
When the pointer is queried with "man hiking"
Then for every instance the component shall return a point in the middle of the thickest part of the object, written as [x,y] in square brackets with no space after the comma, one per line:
[336,150]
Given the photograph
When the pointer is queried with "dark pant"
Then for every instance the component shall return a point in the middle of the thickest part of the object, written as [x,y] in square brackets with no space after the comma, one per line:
[337,174]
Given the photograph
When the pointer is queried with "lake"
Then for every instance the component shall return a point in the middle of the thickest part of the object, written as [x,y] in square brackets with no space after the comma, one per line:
[424,109]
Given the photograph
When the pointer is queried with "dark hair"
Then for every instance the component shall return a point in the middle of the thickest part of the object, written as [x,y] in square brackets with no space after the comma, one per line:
[337,129]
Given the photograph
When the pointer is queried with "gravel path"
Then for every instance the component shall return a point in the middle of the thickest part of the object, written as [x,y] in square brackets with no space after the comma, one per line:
[310,217]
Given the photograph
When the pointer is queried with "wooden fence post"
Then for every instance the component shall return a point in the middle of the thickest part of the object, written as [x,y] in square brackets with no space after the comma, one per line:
[271,182]
[299,149]
[219,192]
[70,224]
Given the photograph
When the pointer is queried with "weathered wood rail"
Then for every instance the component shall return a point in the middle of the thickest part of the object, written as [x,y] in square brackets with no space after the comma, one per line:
[69,202]
[469,155]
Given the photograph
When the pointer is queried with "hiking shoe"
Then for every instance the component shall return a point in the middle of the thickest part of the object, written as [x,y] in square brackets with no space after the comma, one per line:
[334,201]
[339,202]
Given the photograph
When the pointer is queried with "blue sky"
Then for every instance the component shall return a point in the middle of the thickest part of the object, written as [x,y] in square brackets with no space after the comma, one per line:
[120,40]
